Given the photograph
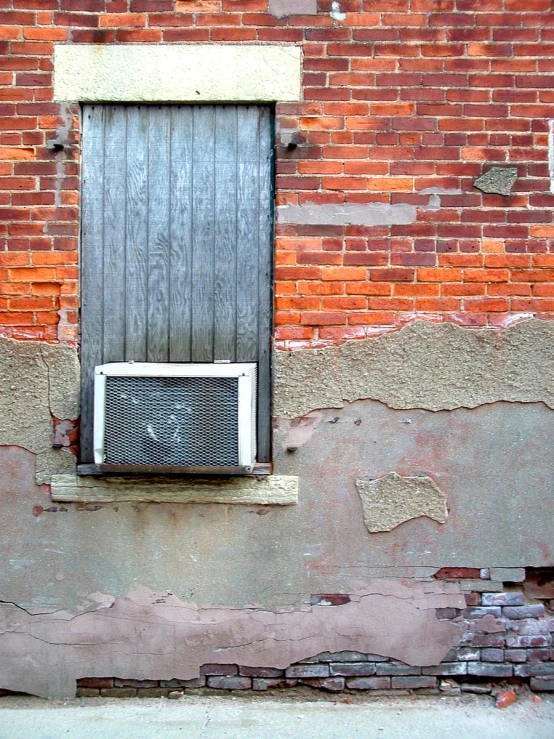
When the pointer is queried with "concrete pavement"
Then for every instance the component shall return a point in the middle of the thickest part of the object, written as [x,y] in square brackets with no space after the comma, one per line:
[464,717]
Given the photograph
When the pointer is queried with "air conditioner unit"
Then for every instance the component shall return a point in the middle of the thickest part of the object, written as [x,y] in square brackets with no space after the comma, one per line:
[192,418]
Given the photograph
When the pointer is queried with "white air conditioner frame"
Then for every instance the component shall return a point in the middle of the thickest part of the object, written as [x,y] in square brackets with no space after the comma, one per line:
[245,372]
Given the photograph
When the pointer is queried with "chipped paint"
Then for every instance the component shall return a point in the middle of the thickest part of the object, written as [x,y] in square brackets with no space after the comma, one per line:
[393,499]
[149,635]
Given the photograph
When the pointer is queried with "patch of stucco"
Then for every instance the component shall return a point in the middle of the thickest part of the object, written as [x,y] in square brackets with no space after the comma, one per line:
[424,365]
[177,72]
[497,180]
[158,637]
[393,499]
[345,214]
[38,381]
[284,8]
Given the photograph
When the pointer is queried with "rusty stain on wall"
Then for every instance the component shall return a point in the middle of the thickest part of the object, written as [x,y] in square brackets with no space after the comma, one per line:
[392,500]
[156,636]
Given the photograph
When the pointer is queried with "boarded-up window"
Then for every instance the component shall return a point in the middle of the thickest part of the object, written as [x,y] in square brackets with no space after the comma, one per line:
[176,243]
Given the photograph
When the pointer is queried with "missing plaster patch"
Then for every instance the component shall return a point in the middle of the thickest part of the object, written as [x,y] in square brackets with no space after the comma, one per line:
[497,180]
[424,365]
[393,500]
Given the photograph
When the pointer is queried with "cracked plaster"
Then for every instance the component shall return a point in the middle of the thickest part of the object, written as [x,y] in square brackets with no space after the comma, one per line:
[393,500]
[424,365]
[158,637]
[38,381]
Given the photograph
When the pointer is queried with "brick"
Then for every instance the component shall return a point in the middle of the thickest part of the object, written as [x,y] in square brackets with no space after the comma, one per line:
[368,683]
[516,612]
[413,682]
[352,669]
[330,684]
[446,669]
[537,669]
[489,669]
[542,684]
[229,683]
[226,670]
[95,682]
[118,692]
[528,642]
[492,655]
[392,668]
[307,671]
[261,672]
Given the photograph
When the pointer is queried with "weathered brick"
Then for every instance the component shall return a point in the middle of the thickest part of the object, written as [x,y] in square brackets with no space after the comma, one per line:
[528,642]
[307,670]
[118,692]
[535,669]
[502,599]
[492,655]
[219,670]
[152,692]
[489,669]
[352,669]
[514,612]
[446,669]
[95,682]
[413,682]
[229,683]
[261,672]
[135,683]
[392,668]
[515,655]
[330,684]
[368,683]
[195,682]
[541,684]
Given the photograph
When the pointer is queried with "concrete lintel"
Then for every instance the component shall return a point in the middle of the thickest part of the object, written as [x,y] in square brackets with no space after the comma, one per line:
[177,73]
[270,490]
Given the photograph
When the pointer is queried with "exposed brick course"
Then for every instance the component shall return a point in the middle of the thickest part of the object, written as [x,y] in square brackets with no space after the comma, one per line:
[401,104]
[479,667]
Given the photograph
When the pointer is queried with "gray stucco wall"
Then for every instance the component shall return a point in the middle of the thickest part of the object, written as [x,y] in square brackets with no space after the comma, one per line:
[491,461]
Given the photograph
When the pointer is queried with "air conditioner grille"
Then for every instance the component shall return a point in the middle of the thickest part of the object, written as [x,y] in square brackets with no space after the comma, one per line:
[188,421]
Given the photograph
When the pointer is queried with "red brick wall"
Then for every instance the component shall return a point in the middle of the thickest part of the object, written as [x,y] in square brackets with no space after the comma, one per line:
[400,97]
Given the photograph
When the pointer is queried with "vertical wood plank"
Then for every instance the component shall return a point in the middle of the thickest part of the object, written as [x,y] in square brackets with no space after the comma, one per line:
[203,147]
[181,184]
[247,235]
[225,294]
[115,131]
[265,282]
[136,277]
[92,246]
[159,206]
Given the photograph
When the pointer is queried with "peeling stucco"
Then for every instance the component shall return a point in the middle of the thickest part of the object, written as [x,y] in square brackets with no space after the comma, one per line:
[156,636]
[38,381]
[393,499]
[424,365]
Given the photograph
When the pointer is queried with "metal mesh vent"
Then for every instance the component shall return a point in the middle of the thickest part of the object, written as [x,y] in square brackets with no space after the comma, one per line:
[189,421]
